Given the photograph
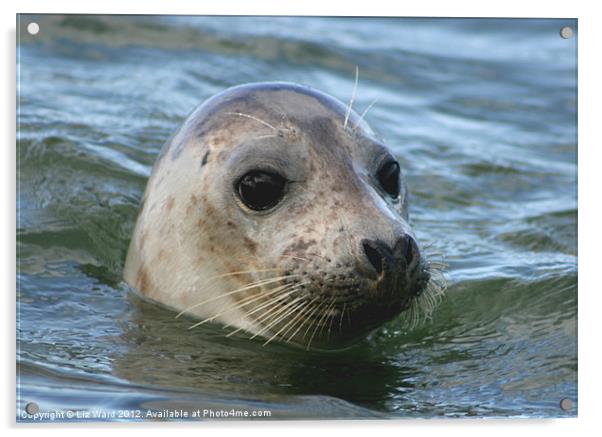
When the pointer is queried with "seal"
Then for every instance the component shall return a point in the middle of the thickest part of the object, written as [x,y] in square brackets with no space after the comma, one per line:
[276,211]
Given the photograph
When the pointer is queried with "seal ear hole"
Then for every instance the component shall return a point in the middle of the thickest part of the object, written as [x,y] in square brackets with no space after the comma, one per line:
[261,190]
[389,178]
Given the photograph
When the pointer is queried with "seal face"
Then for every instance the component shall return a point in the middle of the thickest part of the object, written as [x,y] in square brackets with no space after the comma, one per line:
[275,210]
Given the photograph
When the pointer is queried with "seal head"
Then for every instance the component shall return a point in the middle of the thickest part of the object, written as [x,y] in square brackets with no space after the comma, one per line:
[275,210]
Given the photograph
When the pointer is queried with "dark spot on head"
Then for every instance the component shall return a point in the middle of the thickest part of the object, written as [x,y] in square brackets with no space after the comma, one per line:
[142,280]
[231,224]
[333,215]
[169,203]
[322,132]
[210,211]
[205,157]
[250,244]
[192,204]
[219,139]
[300,245]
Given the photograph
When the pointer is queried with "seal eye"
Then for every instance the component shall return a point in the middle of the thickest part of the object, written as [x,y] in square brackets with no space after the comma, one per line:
[261,190]
[388,177]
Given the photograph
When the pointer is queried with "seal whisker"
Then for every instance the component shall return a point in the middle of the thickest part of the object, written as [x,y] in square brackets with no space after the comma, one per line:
[316,255]
[300,317]
[241,272]
[270,308]
[283,115]
[252,117]
[363,114]
[427,246]
[438,265]
[295,257]
[287,292]
[240,304]
[301,305]
[328,314]
[349,317]
[238,290]
[261,137]
[422,307]
[433,254]
[342,315]
[332,317]
[311,316]
[328,317]
[304,318]
[273,303]
[313,254]
[438,278]
[266,315]
[279,316]
[320,323]
[348,113]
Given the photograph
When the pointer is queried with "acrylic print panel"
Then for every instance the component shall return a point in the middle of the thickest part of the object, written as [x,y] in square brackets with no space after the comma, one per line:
[366,218]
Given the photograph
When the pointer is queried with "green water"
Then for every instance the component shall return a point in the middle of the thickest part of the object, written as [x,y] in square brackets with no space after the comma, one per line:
[482,116]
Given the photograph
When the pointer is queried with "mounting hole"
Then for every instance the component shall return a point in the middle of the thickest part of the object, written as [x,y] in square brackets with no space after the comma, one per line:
[33,28]
[32,408]
[566,32]
[566,404]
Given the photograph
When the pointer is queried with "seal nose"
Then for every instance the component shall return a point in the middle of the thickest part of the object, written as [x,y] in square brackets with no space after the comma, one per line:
[383,258]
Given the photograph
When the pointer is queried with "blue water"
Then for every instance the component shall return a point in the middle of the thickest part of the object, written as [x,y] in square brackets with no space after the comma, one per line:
[482,115]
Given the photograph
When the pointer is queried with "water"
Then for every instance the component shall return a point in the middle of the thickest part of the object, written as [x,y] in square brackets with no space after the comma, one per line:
[482,115]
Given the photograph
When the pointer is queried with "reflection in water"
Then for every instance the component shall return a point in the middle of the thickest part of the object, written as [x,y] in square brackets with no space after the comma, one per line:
[162,351]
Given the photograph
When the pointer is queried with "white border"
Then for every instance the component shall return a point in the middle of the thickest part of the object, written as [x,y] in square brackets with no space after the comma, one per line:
[589,199]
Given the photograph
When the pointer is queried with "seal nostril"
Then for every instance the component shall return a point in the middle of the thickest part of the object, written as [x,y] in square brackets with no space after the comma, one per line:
[374,257]
[410,251]
[407,248]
